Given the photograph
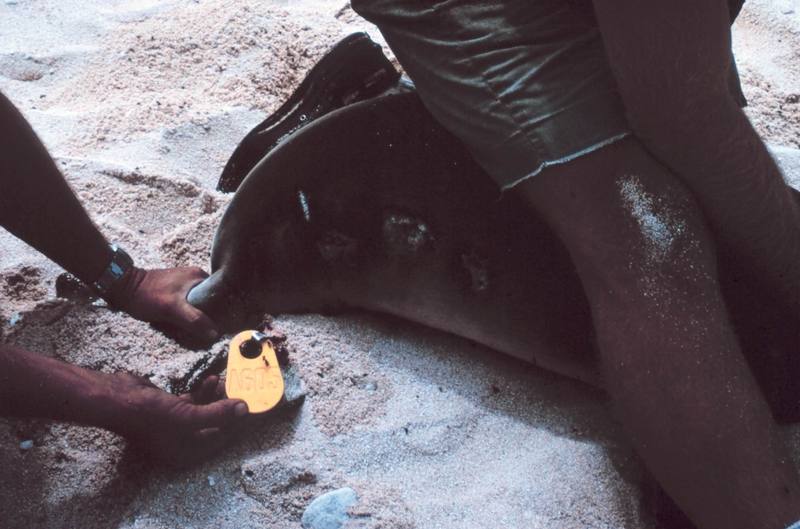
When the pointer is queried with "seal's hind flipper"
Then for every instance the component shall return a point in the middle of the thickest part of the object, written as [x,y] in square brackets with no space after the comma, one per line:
[355,69]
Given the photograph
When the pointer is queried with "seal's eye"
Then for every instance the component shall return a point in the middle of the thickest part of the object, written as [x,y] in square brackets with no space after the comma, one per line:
[250,348]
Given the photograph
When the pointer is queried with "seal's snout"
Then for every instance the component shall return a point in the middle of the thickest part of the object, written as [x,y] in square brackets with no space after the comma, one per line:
[230,305]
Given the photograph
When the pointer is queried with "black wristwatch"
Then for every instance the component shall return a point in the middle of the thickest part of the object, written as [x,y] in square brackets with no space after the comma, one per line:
[120,263]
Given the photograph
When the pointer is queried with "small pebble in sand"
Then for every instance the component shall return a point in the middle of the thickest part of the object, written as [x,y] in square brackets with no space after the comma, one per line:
[26,445]
[212,481]
[329,511]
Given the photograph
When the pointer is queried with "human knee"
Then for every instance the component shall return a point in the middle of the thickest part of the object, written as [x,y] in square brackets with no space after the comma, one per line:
[632,227]
[662,253]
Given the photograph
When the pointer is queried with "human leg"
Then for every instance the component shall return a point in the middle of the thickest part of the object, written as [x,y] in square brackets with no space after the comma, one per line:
[671,360]
[671,61]
[668,354]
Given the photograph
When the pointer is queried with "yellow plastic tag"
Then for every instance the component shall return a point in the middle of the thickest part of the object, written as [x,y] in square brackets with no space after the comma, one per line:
[253,372]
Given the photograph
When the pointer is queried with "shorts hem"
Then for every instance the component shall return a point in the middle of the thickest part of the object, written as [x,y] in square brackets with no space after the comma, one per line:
[565,159]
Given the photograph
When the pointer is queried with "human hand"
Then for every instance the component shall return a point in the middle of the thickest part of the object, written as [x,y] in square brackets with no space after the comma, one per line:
[176,430]
[159,296]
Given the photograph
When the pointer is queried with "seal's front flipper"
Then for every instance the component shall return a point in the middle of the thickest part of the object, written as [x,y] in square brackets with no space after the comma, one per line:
[355,69]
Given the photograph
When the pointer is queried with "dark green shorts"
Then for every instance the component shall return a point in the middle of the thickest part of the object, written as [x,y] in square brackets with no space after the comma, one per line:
[524,83]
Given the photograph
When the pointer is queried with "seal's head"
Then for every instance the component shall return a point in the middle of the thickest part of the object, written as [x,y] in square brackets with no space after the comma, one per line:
[348,211]
[264,258]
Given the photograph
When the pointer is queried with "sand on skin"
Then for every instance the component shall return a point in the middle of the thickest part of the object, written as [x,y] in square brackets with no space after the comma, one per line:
[141,103]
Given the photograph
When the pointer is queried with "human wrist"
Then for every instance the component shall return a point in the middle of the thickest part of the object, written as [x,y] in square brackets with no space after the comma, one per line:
[91,264]
[111,282]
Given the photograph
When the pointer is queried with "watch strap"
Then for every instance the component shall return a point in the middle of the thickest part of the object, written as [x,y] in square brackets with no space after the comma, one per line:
[119,265]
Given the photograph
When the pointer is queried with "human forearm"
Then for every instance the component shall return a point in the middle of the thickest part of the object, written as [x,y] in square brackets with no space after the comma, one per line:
[32,385]
[177,429]
[38,206]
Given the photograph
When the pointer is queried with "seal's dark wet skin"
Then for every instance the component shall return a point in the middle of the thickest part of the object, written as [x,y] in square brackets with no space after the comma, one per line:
[353,70]
[375,206]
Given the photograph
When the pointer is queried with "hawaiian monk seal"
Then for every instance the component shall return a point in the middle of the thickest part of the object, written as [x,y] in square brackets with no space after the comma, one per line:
[375,206]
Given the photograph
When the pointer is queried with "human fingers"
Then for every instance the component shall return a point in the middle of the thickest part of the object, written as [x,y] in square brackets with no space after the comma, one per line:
[219,414]
[206,391]
[189,317]
[162,298]
[219,391]
[193,320]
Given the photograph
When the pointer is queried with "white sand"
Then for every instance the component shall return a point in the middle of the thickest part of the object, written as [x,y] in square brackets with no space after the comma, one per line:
[141,102]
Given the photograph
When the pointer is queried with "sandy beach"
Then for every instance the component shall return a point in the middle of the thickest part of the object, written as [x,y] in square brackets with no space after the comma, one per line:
[141,103]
